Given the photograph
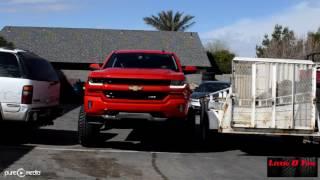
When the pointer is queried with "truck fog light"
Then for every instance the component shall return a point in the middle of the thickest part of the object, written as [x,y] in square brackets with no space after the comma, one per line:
[181,108]
[89,104]
[34,116]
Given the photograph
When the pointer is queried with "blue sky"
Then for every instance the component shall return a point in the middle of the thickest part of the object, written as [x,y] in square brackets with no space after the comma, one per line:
[239,23]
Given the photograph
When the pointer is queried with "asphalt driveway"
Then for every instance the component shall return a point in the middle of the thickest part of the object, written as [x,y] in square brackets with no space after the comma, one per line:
[136,150]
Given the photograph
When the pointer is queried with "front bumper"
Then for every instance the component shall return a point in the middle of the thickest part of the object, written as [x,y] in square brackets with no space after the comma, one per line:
[168,108]
[195,104]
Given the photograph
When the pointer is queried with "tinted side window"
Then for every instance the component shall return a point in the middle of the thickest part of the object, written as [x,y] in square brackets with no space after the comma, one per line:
[9,66]
[37,68]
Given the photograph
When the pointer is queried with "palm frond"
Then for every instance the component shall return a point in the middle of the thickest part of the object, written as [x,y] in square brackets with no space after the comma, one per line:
[169,21]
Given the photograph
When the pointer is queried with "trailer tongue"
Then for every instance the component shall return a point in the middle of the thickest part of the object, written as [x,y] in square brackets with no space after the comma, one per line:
[267,96]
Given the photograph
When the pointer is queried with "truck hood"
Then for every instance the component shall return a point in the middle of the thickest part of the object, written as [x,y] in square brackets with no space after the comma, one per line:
[198,95]
[135,73]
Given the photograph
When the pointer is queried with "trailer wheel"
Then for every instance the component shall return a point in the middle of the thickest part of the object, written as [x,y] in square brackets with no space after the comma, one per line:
[191,121]
[87,133]
[204,122]
[292,140]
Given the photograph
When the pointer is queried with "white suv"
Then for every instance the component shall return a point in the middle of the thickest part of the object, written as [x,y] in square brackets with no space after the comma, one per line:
[29,86]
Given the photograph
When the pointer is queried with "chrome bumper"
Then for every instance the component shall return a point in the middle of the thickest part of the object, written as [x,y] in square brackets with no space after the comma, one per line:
[22,112]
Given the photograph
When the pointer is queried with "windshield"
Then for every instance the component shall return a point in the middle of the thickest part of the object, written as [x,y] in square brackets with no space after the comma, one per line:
[212,87]
[142,60]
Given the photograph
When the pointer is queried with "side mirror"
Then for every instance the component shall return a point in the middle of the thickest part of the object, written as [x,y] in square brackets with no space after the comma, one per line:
[190,69]
[94,66]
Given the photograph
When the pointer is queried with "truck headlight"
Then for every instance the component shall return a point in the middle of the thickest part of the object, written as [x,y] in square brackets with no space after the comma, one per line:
[178,84]
[96,81]
[195,100]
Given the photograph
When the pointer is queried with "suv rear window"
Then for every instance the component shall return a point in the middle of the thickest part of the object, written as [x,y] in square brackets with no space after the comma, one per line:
[37,68]
[142,60]
[9,66]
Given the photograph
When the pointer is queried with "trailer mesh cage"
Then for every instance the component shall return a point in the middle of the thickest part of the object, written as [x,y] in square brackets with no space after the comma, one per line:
[274,94]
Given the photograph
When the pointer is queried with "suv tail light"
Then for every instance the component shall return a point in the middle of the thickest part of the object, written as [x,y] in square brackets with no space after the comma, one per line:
[27,93]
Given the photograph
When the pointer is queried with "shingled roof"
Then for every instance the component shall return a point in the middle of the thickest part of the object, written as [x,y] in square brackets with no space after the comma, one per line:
[92,45]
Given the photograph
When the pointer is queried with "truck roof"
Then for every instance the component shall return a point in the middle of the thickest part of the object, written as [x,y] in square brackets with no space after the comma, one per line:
[142,51]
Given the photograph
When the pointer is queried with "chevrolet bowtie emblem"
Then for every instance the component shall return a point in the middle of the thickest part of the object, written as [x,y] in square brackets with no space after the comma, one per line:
[135,88]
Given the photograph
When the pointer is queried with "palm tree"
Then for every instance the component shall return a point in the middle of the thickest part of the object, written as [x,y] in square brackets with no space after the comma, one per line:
[167,21]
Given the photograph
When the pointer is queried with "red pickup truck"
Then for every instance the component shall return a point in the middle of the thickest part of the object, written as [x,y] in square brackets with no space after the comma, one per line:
[147,83]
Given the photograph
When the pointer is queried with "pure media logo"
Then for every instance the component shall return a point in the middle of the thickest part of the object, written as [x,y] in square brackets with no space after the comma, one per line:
[22,173]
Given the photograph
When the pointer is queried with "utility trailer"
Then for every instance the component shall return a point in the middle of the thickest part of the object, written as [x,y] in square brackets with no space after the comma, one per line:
[267,97]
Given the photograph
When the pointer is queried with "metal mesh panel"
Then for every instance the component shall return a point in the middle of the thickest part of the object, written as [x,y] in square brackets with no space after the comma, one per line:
[303,96]
[263,98]
[285,80]
[242,81]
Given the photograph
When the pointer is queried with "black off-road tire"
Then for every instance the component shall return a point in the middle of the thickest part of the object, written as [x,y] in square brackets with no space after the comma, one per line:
[184,128]
[87,133]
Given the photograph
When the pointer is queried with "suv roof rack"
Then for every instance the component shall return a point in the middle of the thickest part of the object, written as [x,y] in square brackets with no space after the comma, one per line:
[15,50]
[6,47]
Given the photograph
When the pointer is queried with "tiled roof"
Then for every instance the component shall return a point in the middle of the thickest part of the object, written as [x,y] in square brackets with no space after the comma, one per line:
[93,45]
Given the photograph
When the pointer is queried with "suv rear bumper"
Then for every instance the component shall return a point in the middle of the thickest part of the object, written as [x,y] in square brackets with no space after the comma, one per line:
[14,112]
[23,112]
[170,108]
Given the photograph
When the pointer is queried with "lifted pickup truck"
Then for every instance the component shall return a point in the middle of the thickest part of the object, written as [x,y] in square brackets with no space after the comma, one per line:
[149,83]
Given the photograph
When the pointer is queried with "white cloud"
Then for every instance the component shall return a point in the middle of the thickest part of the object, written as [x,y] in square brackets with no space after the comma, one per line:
[52,7]
[8,10]
[15,6]
[30,1]
[244,35]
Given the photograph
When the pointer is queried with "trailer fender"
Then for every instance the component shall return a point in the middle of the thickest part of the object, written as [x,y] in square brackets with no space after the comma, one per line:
[213,119]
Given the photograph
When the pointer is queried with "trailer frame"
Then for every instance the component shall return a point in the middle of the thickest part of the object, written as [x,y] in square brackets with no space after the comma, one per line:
[267,97]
